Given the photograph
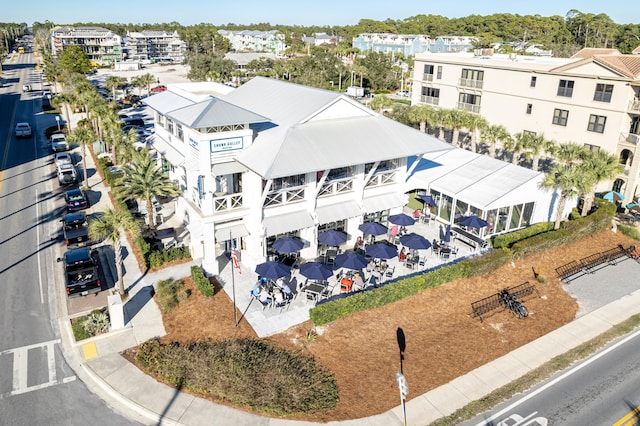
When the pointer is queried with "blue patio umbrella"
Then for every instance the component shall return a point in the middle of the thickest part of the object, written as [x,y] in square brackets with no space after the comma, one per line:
[428,200]
[316,270]
[633,207]
[445,233]
[373,228]
[382,251]
[402,219]
[611,196]
[332,237]
[273,270]
[415,241]
[288,245]
[351,260]
[472,222]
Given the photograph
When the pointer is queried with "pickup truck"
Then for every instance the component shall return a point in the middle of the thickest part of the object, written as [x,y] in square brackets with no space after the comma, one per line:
[81,272]
[75,230]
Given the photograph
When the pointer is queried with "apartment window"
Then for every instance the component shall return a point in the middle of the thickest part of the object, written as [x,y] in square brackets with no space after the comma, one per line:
[565,88]
[439,73]
[560,117]
[592,148]
[534,81]
[603,92]
[596,123]
[529,108]
[529,132]
[469,74]
[431,92]
[428,69]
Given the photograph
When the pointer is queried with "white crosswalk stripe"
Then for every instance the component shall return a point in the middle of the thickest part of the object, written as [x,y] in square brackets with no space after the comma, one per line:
[21,365]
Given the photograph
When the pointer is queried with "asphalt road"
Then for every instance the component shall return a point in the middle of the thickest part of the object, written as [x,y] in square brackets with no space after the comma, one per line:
[37,385]
[602,390]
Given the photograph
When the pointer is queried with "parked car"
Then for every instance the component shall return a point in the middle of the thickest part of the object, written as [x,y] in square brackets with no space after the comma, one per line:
[23,130]
[158,89]
[139,122]
[81,271]
[76,199]
[26,88]
[62,158]
[58,142]
[67,174]
[75,230]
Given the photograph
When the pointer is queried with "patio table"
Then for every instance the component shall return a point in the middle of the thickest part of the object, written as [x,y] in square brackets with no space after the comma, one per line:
[314,290]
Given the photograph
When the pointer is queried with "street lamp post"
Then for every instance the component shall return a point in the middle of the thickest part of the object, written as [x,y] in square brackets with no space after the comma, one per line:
[403,386]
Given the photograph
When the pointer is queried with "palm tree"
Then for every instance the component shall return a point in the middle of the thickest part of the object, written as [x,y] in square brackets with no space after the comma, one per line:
[494,134]
[109,226]
[439,117]
[454,119]
[601,166]
[476,123]
[83,136]
[113,83]
[144,179]
[381,102]
[147,80]
[64,100]
[422,114]
[517,144]
[534,146]
[569,181]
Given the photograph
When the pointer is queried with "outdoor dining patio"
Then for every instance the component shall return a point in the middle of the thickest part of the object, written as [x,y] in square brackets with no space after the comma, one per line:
[338,270]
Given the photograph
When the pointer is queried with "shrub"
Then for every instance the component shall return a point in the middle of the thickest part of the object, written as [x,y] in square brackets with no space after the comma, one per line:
[171,293]
[629,231]
[202,282]
[245,372]
[157,258]
[97,323]
[507,240]
[79,332]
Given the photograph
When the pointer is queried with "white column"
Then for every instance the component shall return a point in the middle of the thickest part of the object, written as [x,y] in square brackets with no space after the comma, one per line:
[209,260]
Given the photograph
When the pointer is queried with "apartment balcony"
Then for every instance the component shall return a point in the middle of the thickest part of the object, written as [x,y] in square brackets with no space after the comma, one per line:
[427,77]
[472,84]
[284,197]
[468,107]
[336,187]
[634,105]
[629,138]
[429,100]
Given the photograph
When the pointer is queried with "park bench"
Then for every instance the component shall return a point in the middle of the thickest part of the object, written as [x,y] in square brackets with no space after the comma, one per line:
[488,304]
[568,270]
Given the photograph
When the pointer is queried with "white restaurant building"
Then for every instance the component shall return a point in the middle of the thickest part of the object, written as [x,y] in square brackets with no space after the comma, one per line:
[272,159]
[592,98]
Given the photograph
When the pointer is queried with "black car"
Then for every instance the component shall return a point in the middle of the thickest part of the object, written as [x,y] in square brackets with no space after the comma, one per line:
[76,199]
[75,230]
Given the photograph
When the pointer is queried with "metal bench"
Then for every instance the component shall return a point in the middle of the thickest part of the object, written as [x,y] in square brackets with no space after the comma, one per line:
[568,270]
[468,238]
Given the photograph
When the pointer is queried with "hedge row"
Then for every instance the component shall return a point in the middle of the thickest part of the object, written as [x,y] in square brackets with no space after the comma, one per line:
[570,231]
[202,282]
[244,372]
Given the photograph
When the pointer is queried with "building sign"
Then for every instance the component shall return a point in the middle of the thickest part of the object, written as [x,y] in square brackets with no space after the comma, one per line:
[193,144]
[229,144]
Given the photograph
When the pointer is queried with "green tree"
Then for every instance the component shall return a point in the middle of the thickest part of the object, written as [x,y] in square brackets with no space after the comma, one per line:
[476,124]
[109,226]
[73,59]
[566,180]
[113,83]
[493,135]
[423,115]
[598,166]
[535,146]
[381,103]
[145,179]
[83,136]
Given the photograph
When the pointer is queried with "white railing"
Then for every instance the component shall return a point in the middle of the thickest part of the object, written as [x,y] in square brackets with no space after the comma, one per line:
[227,202]
[634,105]
[468,107]
[467,82]
[427,77]
[629,138]
[336,187]
[382,178]
[430,100]
[284,197]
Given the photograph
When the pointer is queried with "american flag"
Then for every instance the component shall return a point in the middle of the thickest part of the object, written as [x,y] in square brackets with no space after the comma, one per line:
[234,258]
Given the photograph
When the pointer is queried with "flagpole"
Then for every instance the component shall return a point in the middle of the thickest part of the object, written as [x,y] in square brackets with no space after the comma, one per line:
[233,281]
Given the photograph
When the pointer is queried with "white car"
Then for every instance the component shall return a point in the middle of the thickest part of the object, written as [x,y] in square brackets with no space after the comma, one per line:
[58,142]
[23,130]
[62,158]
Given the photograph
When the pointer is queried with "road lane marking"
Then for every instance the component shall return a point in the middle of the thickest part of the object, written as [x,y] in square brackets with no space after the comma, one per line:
[630,418]
[38,229]
[558,379]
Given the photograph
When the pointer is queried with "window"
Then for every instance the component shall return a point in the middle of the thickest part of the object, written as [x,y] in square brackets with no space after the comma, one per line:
[431,92]
[529,108]
[596,123]
[428,69]
[565,88]
[592,148]
[603,92]
[439,74]
[533,81]
[560,117]
[469,74]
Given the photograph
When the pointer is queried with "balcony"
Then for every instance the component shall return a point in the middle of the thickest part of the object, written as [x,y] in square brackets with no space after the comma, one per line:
[227,202]
[336,187]
[429,100]
[629,138]
[427,77]
[468,107]
[634,105]
[284,197]
[382,178]
[473,84]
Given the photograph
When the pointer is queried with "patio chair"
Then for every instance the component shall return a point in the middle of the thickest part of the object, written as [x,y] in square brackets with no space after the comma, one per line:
[422,262]
[328,291]
[390,270]
[346,285]
[330,256]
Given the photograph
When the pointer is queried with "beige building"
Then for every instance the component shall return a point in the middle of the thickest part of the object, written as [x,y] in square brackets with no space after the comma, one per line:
[592,98]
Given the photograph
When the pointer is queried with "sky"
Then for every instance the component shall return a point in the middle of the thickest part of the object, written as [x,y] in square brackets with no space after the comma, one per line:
[300,12]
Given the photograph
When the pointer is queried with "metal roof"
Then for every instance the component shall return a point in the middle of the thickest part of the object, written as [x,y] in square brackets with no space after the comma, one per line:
[166,102]
[214,112]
